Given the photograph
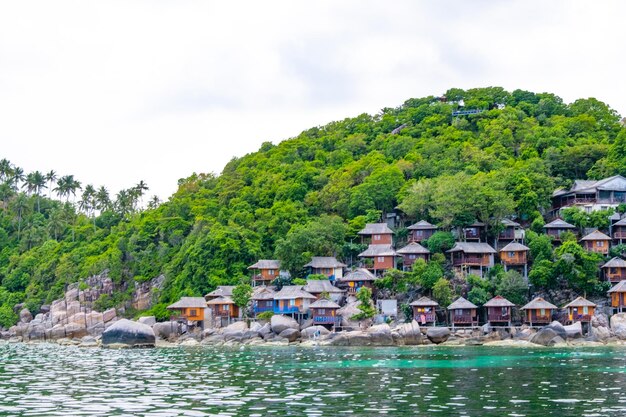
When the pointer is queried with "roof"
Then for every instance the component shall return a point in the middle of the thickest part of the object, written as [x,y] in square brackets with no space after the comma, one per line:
[580,302]
[221,300]
[325,262]
[539,303]
[510,223]
[360,274]
[263,293]
[324,303]
[188,302]
[472,247]
[289,292]
[621,222]
[559,224]
[514,247]
[378,250]
[477,224]
[266,264]
[376,229]
[461,303]
[596,235]
[422,225]
[615,263]
[619,287]
[424,302]
[498,301]
[413,247]
[320,286]
[221,291]
[616,183]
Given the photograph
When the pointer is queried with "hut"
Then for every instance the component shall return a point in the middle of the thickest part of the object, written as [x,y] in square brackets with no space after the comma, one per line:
[463,313]
[356,279]
[580,310]
[596,241]
[383,256]
[538,312]
[224,309]
[618,296]
[376,234]
[262,299]
[499,311]
[220,291]
[326,265]
[472,257]
[618,231]
[192,309]
[317,287]
[421,231]
[292,299]
[515,256]
[424,311]
[475,232]
[557,227]
[411,253]
[510,232]
[324,312]
[264,271]
[615,270]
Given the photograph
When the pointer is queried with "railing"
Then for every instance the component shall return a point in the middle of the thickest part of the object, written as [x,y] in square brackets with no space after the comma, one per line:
[581,317]
[326,319]
[540,319]
[463,319]
[498,317]
[286,310]
[619,234]
[466,112]
[261,309]
[428,318]
[471,260]
[616,277]
[507,234]
[514,261]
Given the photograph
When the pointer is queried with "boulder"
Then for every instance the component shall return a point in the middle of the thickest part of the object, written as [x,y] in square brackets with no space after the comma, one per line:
[57,332]
[310,332]
[25,316]
[290,334]
[96,330]
[57,306]
[601,333]
[58,317]
[279,323]
[265,330]
[44,308]
[380,335]
[524,334]
[486,328]
[599,320]
[36,332]
[74,331]
[238,326]
[92,318]
[558,328]
[574,330]
[410,333]
[79,318]
[126,333]
[438,334]
[190,342]
[88,341]
[256,326]
[352,338]
[149,320]
[545,337]
[618,320]
[73,307]
[167,329]
[306,323]
[108,315]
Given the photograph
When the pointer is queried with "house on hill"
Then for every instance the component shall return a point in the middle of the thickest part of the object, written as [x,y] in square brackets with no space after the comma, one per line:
[591,195]
[475,232]
[618,296]
[377,234]
[538,312]
[472,257]
[615,270]
[356,279]
[411,253]
[191,309]
[224,310]
[324,312]
[220,291]
[499,311]
[618,231]
[596,242]
[424,311]
[463,313]
[317,287]
[383,257]
[557,227]
[580,310]
[292,300]
[515,256]
[421,231]
[512,231]
[326,265]
[262,299]
[264,271]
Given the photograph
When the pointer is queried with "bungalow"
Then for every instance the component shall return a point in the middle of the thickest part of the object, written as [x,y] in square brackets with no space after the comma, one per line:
[317,287]
[472,257]
[619,231]
[463,313]
[383,256]
[618,296]
[515,256]
[292,299]
[412,252]
[326,265]
[264,271]
[424,311]
[421,231]
[191,309]
[615,270]
[220,291]
[557,227]
[474,232]
[356,279]
[224,309]
[511,231]
[538,311]
[263,299]
[591,195]
[324,312]
[580,310]
[377,234]
[597,242]
[499,311]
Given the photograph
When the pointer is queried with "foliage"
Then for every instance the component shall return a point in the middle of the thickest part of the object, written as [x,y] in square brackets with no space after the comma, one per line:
[318,277]
[540,247]
[542,274]
[440,242]
[159,311]
[478,296]
[442,292]
[7,316]
[364,295]
[241,295]
[265,315]
[513,287]
[577,266]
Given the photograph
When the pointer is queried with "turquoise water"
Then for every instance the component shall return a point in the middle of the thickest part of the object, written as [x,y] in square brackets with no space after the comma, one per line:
[49,380]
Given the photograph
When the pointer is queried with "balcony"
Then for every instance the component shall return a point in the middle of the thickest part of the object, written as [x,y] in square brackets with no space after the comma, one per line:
[327,319]
[261,309]
[619,234]
[286,310]
[428,318]
[472,260]
[540,319]
[581,317]
[463,319]
[499,317]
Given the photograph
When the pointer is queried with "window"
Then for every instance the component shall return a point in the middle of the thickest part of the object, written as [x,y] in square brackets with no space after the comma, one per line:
[511,254]
[193,312]
[458,312]
[419,233]
[381,259]
[321,311]
[412,256]
[599,243]
[585,310]
[376,237]
[542,312]
[271,272]
[504,311]
[292,302]
[226,307]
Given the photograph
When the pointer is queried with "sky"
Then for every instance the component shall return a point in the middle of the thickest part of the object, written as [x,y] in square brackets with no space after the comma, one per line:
[114,92]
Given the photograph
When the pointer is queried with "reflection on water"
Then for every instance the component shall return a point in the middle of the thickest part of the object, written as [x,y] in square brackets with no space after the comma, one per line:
[49,380]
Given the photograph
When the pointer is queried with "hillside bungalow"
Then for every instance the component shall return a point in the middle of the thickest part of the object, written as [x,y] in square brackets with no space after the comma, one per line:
[377,234]
[512,231]
[326,265]
[615,270]
[580,310]
[472,257]
[618,231]
[421,231]
[192,309]
[499,311]
[262,299]
[317,287]
[292,299]
[596,242]
[224,309]
[515,256]
[591,195]
[475,232]
[463,313]
[324,312]
[264,271]
[220,291]
[356,279]
[383,256]
[618,296]
[557,227]
[538,312]
[411,253]
[424,311]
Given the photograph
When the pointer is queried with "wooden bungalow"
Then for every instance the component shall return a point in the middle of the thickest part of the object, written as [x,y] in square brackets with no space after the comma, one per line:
[591,195]
[224,309]
[557,227]
[499,311]
[580,310]
[596,242]
[511,231]
[421,231]
[263,299]
[475,232]
[383,257]
[356,279]
[615,270]
[220,291]
[618,231]
[424,311]
[326,265]
[472,257]
[377,234]
[192,309]
[264,271]
[411,253]
[317,287]
[515,256]
[292,299]
[324,312]
[538,312]
[618,296]
[463,313]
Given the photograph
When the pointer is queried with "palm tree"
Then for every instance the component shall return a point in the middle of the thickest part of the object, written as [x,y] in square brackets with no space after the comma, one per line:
[21,206]
[88,203]
[6,170]
[124,202]
[50,177]
[18,176]
[35,182]
[56,223]
[6,191]
[67,185]
[154,202]
[103,201]
[140,189]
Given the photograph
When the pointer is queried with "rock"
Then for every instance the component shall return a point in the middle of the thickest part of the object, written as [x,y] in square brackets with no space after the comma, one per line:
[167,329]
[279,323]
[57,332]
[214,339]
[599,320]
[126,333]
[93,318]
[618,320]
[25,316]
[574,330]
[380,335]
[88,341]
[73,307]
[265,330]
[558,329]
[96,330]
[438,334]
[524,334]
[620,332]
[58,317]
[79,318]
[346,313]
[190,342]
[108,315]
[545,337]
[256,326]
[306,323]
[205,333]
[238,326]
[601,333]
[309,332]
[352,338]
[486,328]
[44,309]
[233,336]
[149,320]
[290,334]
[74,331]
[36,332]
[410,333]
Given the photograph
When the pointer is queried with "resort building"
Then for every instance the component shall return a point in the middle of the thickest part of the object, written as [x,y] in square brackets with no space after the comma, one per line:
[596,242]
[512,232]
[591,195]
[223,309]
[475,232]
[615,270]
[377,234]
[264,271]
[499,311]
[317,287]
[472,257]
[411,253]
[618,296]
[220,291]
[580,310]
[191,309]
[463,313]
[292,299]
[515,256]
[538,312]
[326,265]
[262,299]
[618,231]
[356,279]
[424,311]
[324,312]
[382,257]
[557,227]
[421,231]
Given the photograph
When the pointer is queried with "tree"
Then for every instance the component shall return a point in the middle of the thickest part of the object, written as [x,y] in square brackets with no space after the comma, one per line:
[542,274]
[51,177]
[442,292]
[364,296]
[512,287]
[440,242]
[35,182]
[241,296]
[577,266]
[21,205]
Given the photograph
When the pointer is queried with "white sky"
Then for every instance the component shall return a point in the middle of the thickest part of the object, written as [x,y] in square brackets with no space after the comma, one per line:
[115,92]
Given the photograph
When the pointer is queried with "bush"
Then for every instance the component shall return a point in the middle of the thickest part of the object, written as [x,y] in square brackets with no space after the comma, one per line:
[266,315]
[7,316]
[442,292]
[159,311]
[440,242]
[364,295]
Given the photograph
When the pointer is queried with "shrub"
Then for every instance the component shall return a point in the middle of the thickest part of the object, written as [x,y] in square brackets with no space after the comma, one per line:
[7,316]
[442,292]
[266,315]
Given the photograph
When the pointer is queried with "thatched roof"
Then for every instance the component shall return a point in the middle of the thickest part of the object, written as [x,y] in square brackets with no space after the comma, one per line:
[596,235]
[291,292]
[559,224]
[580,302]
[498,301]
[514,247]
[376,229]
[318,286]
[188,302]
[221,291]
[619,287]
[378,250]
[413,247]
[422,225]
[461,304]
[220,301]
[360,274]
[263,293]
[510,223]
[472,247]
[615,263]
[266,264]
[621,222]
[539,303]
[424,302]
[324,303]
[325,262]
